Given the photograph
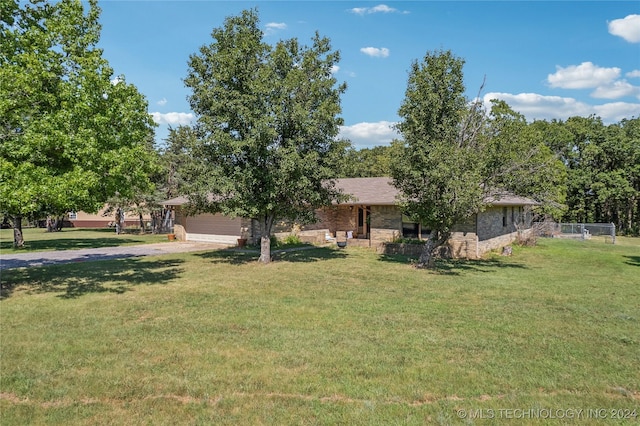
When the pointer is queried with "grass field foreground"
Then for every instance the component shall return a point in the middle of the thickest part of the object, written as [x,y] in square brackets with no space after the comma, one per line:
[326,336]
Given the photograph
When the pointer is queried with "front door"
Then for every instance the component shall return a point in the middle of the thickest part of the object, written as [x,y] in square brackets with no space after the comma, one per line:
[364,213]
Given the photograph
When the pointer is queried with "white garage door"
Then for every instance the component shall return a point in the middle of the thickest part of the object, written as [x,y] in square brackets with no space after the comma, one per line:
[213,228]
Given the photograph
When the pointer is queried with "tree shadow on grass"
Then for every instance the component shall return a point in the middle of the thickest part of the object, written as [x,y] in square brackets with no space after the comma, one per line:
[71,281]
[74,238]
[633,260]
[314,254]
[300,254]
[457,266]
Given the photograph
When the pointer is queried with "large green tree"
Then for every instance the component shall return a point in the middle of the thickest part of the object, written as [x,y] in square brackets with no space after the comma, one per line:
[517,159]
[455,155]
[368,162]
[267,122]
[603,166]
[439,172]
[71,135]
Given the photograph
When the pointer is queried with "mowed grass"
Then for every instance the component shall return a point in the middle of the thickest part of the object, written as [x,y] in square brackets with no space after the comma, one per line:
[38,239]
[326,336]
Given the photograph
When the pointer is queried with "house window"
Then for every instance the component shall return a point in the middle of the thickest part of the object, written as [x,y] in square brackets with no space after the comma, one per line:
[410,229]
[504,216]
[413,229]
[73,215]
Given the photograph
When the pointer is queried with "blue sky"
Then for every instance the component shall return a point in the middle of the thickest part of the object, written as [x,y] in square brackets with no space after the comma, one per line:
[546,59]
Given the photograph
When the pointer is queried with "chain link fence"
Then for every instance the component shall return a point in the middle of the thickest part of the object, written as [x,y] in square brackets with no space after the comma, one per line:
[581,231]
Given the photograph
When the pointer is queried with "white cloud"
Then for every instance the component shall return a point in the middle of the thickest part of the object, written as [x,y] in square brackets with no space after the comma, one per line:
[628,28]
[534,106]
[376,52]
[381,8]
[173,118]
[615,90]
[366,135]
[614,112]
[583,76]
[117,80]
[273,27]
[605,81]
[162,102]
[334,69]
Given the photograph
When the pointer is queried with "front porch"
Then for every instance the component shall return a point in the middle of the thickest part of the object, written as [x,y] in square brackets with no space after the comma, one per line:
[359,225]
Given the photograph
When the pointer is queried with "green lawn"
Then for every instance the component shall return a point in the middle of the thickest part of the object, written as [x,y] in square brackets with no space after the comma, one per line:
[326,337]
[38,239]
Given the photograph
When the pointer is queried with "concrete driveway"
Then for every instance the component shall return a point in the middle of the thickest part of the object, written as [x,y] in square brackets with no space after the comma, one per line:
[44,258]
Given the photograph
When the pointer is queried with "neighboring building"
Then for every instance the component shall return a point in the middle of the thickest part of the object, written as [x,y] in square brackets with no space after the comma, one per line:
[99,220]
[370,218]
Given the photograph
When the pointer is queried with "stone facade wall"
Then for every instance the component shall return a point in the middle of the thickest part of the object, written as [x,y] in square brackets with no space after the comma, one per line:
[316,236]
[463,245]
[497,221]
[379,236]
[334,218]
[386,217]
[346,219]
[497,227]
[501,241]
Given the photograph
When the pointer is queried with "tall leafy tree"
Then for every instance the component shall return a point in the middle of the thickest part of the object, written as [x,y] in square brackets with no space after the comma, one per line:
[629,208]
[517,159]
[439,172]
[71,135]
[455,156]
[267,125]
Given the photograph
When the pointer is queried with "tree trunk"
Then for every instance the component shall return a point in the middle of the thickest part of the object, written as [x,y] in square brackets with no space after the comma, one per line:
[265,239]
[59,223]
[18,238]
[119,220]
[166,225]
[141,223]
[427,257]
[50,227]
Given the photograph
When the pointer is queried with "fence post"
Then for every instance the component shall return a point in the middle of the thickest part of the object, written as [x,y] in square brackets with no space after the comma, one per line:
[613,232]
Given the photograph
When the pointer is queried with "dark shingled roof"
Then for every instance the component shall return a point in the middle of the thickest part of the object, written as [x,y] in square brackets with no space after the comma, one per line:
[507,199]
[378,191]
[370,191]
[178,201]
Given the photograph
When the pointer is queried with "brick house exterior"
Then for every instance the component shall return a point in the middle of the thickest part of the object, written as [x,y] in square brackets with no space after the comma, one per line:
[488,230]
[369,219]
